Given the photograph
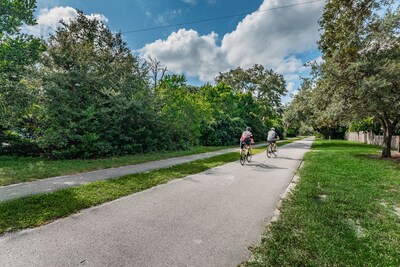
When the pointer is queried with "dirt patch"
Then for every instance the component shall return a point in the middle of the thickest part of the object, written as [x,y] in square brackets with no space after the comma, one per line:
[395,157]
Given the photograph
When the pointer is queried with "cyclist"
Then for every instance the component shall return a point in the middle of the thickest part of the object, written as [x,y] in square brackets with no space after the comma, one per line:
[246,139]
[272,137]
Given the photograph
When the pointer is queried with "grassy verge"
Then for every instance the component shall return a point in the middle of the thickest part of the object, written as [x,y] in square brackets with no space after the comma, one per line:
[345,211]
[15,170]
[24,169]
[40,209]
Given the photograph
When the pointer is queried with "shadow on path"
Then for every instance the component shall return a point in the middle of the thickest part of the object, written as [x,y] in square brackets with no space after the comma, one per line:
[289,158]
[265,166]
[299,145]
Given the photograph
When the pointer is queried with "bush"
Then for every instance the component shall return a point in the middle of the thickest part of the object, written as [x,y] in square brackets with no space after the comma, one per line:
[333,133]
[17,144]
[222,132]
[292,132]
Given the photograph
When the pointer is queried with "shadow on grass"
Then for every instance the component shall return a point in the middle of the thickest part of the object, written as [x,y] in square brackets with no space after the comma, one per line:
[395,158]
[340,144]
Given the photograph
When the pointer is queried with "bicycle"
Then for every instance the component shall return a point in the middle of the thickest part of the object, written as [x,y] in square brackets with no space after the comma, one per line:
[245,155]
[271,151]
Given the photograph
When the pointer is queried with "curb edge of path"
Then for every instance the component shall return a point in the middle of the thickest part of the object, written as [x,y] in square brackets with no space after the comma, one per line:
[292,184]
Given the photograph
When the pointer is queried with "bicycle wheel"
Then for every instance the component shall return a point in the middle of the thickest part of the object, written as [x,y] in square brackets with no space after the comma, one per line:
[242,157]
[274,152]
[269,151]
[249,156]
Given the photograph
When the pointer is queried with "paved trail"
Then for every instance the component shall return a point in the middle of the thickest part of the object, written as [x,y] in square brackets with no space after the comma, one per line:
[207,219]
[55,183]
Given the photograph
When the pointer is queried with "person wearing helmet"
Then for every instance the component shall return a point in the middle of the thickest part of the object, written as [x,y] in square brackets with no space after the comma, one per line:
[272,137]
[246,139]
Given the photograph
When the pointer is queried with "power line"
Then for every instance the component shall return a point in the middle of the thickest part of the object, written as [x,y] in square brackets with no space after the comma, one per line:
[219,18]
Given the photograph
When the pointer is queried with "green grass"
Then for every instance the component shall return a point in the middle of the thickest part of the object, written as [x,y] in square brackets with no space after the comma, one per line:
[24,169]
[37,210]
[345,211]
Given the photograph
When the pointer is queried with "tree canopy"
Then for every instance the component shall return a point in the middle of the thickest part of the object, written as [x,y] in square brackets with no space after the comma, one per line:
[18,52]
[358,78]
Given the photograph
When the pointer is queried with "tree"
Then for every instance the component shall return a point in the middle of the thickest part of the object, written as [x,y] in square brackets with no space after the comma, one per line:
[359,76]
[301,112]
[18,52]
[180,113]
[95,93]
[261,91]
[266,85]
[379,67]
[156,71]
[225,121]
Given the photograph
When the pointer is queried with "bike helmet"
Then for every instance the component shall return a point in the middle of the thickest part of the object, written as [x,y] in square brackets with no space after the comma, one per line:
[273,129]
[248,129]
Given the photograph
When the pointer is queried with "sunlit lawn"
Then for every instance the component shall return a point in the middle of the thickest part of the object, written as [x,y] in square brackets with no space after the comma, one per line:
[345,211]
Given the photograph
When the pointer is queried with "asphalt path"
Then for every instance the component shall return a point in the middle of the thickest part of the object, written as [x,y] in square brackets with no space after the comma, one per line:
[207,219]
[47,185]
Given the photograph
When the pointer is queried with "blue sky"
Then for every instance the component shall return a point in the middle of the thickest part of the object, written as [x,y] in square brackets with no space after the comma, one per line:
[282,39]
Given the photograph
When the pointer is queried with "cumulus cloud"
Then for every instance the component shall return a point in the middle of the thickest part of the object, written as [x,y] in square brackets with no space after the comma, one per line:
[187,52]
[271,38]
[49,19]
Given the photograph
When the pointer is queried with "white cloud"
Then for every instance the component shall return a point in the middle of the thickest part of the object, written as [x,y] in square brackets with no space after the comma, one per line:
[319,60]
[187,52]
[168,16]
[212,2]
[290,86]
[192,2]
[271,38]
[288,65]
[292,77]
[49,19]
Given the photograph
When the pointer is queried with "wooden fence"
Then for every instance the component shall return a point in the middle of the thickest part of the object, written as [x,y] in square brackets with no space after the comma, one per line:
[372,139]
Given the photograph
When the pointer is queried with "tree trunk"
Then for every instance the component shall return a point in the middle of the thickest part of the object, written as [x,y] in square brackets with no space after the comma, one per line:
[388,130]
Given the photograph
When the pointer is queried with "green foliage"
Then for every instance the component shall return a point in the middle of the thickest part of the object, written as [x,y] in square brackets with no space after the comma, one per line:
[259,92]
[14,13]
[359,75]
[17,144]
[180,114]
[300,116]
[224,124]
[332,132]
[95,94]
[366,125]
[306,130]
[18,52]
[89,97]
[292,132]
[266,85]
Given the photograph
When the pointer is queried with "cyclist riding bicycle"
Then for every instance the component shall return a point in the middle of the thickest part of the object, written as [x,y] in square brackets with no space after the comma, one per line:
[246,139]
[272,137]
